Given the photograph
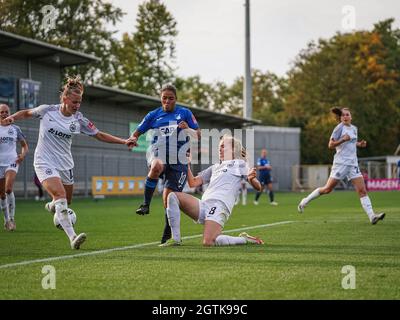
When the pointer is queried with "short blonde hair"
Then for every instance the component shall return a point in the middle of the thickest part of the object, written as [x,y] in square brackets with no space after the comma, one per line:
[239,152]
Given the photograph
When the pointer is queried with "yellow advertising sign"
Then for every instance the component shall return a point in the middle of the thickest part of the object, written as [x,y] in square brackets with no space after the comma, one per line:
[118,185]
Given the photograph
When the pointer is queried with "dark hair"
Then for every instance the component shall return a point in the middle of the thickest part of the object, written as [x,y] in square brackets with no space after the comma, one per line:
[337,111]
[169,87]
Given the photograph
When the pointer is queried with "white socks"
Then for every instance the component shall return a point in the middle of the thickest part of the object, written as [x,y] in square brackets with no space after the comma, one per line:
[244,196]
[367,206]
[313,195]
[11,204]
[174,216]
[4,207]
[62,216]
[224,240]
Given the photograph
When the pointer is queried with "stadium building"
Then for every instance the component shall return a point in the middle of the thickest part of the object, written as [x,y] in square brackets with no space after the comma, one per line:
[31,74]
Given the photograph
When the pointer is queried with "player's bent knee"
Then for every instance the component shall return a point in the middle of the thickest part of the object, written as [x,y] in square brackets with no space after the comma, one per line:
[362,193]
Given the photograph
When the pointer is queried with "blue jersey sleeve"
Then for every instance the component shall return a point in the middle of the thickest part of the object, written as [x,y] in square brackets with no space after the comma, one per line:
[191,120]
[146,122]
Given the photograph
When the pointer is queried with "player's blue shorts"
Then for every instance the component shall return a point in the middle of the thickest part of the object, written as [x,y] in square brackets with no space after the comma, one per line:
[175,176]
[265,178]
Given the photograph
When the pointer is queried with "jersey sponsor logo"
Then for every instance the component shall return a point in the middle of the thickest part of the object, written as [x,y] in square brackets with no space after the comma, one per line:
[168,130]
[178,117]
[10,131]
[6,139]
[49,171]
[72,127]
[59,134]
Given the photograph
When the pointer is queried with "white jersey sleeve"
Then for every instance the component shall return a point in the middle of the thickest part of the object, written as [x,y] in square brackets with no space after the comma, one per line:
[20,135]
[206,175]
[337,132]
[86,126]
[40,111]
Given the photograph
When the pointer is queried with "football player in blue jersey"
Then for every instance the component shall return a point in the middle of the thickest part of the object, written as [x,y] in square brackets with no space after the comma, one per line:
[169,122]
[264,176]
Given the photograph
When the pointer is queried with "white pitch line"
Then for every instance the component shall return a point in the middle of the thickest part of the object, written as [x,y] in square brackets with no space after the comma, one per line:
[84,254]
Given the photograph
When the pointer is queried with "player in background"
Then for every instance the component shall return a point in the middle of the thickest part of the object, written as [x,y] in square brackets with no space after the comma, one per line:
[53,161]
[242,192]
[345,164]
[9,163]
[264,176]
[167,122]
[216,204]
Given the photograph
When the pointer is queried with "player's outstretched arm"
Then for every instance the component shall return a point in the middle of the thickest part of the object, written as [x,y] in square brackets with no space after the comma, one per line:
[109,138]
[252,178]
[23,114]
[193,181]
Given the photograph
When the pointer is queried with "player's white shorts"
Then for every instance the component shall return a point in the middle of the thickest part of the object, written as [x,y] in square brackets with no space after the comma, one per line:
[214,210]
[339,172]
[43,173]
[4,169]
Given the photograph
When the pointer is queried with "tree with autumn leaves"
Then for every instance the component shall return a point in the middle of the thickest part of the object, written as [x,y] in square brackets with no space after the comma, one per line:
[359,70]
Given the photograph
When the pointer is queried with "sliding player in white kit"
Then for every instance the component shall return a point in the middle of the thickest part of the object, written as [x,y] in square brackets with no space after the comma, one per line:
[216,204]
[345,164]
[9,164]
[53,160]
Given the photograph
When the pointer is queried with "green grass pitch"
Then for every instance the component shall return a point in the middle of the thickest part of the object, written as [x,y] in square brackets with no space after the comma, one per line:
[302,259]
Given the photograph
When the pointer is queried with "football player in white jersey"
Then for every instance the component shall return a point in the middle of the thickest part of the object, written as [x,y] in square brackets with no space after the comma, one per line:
[53,160]
[345,164]
[9,163]
[216,204]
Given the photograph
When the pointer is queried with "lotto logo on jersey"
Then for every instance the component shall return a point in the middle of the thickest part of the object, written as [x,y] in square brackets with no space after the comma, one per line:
[6,139]
[59,133]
